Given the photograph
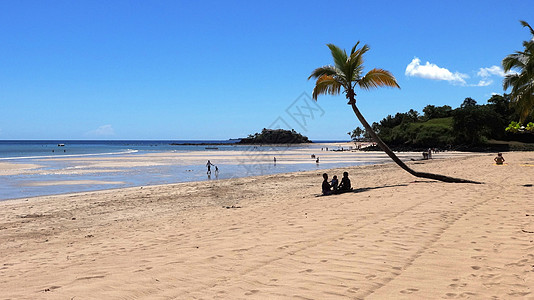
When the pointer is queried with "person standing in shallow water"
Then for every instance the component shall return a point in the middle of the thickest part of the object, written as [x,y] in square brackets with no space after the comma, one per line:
[209,164]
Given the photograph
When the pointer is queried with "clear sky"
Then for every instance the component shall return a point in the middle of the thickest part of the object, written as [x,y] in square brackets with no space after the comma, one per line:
[225,69]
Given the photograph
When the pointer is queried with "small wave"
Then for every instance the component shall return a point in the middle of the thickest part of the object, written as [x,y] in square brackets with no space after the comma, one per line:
[129,151]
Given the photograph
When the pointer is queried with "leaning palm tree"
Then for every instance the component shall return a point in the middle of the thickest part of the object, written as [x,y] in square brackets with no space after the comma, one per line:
[522,82]
[346,74]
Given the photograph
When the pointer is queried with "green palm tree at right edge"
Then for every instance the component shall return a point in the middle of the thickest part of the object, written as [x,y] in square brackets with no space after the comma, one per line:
[522,81]
[346,74]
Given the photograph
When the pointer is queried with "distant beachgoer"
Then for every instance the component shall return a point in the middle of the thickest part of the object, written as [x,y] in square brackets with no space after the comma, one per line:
[334,183]
[345,186]
[499,159]
[274,160]
[429,153]
[326,186]
[313,156]
[317,160]
[209,164]
[216,170]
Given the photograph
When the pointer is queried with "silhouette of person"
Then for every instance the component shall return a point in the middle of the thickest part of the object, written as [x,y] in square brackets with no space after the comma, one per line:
[209,164]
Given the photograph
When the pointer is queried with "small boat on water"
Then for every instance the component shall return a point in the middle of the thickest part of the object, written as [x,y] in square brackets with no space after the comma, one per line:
[61,145]
[211,148]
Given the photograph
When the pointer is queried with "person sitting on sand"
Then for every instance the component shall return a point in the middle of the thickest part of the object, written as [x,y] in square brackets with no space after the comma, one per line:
[334,183]
[499,159]
[344,186]
[326,185]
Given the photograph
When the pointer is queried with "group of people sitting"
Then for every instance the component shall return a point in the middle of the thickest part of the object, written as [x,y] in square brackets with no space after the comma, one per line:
[334,187]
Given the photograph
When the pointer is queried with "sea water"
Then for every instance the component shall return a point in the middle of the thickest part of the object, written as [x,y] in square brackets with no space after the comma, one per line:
[53,170]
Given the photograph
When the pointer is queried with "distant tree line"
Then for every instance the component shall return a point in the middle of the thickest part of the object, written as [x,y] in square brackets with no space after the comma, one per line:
[443,126]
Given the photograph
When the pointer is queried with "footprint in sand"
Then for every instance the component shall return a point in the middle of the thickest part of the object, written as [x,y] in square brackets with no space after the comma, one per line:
[251,292]
[409,291]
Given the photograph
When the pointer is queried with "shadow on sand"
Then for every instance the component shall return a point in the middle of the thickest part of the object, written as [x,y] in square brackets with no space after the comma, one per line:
[365,189]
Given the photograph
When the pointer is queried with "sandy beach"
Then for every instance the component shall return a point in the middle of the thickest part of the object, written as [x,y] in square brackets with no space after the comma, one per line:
[271,237]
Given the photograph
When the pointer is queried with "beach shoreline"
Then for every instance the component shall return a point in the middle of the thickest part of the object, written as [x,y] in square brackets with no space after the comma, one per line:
[71,173]
[271,236]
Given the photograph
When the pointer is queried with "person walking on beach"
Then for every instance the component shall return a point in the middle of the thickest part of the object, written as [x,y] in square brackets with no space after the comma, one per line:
[209,164]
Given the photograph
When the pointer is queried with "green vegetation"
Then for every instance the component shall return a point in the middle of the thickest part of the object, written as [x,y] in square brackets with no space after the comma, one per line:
[469,125]
[275,136]
[522,80]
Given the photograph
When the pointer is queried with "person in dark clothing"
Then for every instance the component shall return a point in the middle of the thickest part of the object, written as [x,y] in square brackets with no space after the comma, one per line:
[326,185]
[344,186]
[334,183]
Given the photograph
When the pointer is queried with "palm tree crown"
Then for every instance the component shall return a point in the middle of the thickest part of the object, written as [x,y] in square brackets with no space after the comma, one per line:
[347,74]
[522,83]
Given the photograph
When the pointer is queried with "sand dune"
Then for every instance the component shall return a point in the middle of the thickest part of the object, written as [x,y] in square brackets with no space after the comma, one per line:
[271,237]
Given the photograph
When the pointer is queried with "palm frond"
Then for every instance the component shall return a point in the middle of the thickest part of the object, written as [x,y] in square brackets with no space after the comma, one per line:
[340,56]
[355,63]
[326,85]
[354,48]
[509,80]
[512,61]
[377,78]
[525,24]
[324,70]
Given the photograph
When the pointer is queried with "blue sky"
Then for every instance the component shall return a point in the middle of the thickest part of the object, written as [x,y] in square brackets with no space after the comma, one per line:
[225,69]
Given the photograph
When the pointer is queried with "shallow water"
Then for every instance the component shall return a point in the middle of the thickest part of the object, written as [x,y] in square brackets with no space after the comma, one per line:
[59,172]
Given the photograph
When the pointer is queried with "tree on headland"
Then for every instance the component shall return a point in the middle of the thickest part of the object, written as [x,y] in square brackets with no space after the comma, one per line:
[468,102]
[346,74]
[522,82]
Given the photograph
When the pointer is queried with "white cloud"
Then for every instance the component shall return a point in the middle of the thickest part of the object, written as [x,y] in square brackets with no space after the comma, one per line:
[102,131]
[484,83]
[493,70]
[432,71]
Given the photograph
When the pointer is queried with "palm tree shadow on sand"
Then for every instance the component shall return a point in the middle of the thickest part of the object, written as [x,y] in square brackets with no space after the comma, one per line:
[365,189]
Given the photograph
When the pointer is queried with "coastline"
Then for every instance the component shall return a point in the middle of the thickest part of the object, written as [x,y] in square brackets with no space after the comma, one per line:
[270,236]
[87,172]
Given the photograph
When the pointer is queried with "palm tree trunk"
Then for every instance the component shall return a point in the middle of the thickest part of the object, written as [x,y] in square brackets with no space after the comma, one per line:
[399,162]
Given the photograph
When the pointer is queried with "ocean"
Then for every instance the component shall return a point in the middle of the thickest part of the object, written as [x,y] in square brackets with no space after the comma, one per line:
[65,166]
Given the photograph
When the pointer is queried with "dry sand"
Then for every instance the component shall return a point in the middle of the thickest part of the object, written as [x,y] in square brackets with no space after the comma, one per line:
[270,237]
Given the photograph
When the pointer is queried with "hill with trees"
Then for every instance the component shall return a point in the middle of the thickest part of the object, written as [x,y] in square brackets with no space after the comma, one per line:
[275,136]
[469,126]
